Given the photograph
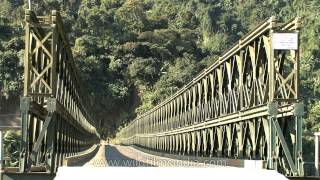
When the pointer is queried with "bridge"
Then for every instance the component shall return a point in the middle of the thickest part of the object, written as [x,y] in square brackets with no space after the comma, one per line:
[245,106]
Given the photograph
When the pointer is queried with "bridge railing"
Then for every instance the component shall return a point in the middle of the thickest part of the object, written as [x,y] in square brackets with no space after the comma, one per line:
[56,119]
[245,105]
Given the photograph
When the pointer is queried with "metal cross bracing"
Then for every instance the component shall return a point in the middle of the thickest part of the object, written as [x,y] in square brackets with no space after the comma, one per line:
[244,106]
[56,119]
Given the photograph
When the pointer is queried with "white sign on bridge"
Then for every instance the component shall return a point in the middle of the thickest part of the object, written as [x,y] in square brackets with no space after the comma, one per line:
[287,41]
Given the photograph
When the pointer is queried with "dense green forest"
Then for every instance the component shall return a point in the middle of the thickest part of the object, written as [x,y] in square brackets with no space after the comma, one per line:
[134,53]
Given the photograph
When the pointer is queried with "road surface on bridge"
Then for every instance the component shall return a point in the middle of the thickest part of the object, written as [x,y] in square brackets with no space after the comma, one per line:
[127,156]
[132,162]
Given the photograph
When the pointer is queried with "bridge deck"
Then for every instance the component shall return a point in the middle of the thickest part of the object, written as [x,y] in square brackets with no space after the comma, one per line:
[126,157]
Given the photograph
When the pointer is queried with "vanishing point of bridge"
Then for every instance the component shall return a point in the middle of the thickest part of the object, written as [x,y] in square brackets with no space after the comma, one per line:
[245,106]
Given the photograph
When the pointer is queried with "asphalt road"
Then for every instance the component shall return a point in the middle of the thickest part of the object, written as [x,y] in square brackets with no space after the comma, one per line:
[110,156]
[126,156]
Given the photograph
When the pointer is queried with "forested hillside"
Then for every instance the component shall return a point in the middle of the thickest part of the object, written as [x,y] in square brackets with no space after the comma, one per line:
[134,53]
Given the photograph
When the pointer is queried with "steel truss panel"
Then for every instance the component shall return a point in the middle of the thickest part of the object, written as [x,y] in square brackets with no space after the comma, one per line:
[244,106]
[56,119]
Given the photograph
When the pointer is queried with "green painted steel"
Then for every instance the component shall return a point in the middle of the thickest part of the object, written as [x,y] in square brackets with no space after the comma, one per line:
[244,106]
[56,119]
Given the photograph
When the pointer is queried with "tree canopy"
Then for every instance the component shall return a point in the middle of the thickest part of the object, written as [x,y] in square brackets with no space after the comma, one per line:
[134,53]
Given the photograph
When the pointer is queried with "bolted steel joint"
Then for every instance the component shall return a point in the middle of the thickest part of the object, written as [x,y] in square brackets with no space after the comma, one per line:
[25,103]
[52,104]
[273,108]
[298,109]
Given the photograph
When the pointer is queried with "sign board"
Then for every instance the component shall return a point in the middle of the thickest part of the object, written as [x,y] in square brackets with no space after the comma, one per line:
[285,41]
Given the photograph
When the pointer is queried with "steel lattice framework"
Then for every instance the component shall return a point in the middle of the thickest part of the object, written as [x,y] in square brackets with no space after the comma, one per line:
[244,106]
[56,121]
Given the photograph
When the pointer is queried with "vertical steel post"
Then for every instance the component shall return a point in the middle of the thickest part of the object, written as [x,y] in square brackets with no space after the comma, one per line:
[298,108]
[272,106]
[271,66]
[298,113]
[316,153]
[54,44]
[24,108]
[26,60]
[272,111]
[51,136]
[1,149]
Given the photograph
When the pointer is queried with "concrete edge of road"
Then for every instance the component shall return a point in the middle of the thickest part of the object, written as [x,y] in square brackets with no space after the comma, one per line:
[258,164]
[27,176]
[82,157]
[241,163]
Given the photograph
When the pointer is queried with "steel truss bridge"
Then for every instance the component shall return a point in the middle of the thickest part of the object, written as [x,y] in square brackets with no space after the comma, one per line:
[244,106]
[56,117]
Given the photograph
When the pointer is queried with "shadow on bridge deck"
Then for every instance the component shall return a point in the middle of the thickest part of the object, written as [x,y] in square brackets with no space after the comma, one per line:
[118,156]
[114,157]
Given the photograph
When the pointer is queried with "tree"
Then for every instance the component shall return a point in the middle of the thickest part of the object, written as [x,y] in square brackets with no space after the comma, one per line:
[11,142]
[131,16]
[145,70]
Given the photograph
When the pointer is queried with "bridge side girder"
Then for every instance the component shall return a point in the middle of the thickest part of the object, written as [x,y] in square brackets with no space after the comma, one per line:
[242,106]
[55,112]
